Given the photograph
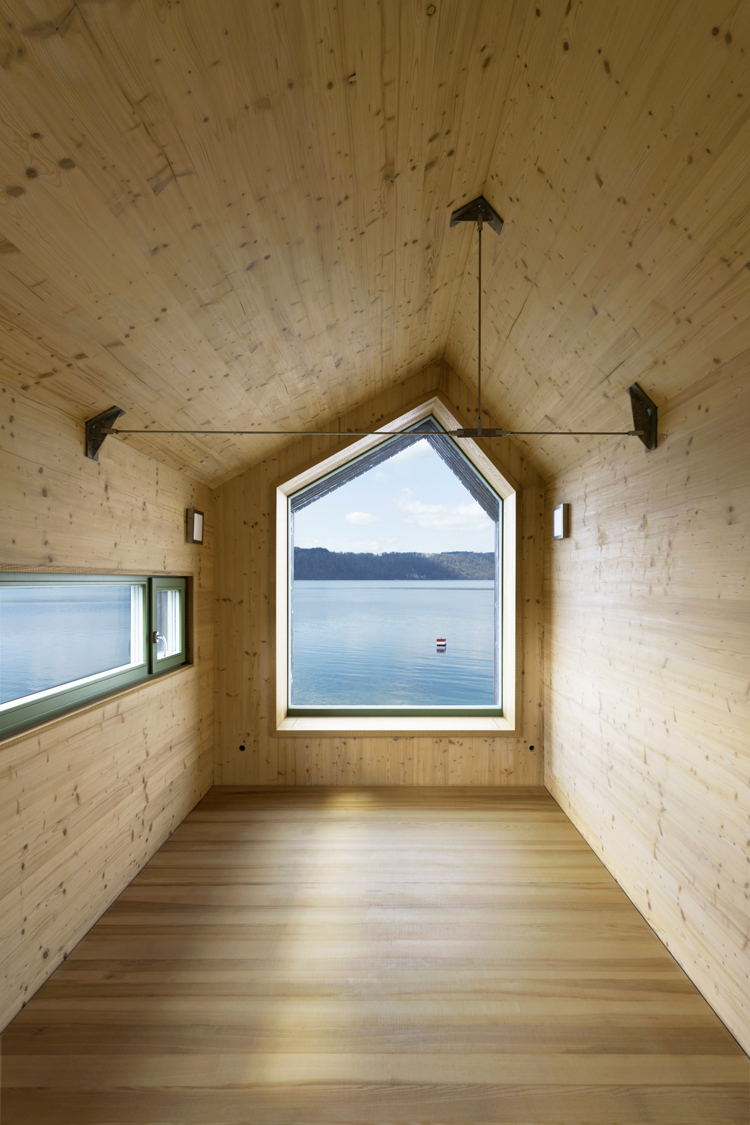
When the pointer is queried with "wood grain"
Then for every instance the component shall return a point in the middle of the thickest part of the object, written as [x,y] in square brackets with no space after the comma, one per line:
[372,955]
[245,708]
[236,214]
[621,166]
[87,798]
[646,709]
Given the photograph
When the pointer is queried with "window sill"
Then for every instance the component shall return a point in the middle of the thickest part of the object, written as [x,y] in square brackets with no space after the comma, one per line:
[35,729]
[433,725]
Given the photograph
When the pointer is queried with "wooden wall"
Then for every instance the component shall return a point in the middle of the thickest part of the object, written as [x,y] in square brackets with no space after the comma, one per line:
[244,528]
[87,799]
[647,703]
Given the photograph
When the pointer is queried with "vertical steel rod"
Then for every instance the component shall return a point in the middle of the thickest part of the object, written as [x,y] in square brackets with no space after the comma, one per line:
[479,333]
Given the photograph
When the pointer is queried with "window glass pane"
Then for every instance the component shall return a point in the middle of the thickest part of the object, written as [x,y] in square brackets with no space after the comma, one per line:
[168,623]
[394,597]
[376,643]
[55,636]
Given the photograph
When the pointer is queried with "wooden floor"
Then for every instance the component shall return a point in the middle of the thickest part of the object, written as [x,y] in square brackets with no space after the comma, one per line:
[372,955]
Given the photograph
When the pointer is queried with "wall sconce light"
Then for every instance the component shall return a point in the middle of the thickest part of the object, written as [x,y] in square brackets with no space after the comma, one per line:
[193,526]
[561,521]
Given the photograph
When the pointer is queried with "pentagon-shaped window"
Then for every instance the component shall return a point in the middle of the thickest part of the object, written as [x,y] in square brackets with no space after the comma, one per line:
[394,584]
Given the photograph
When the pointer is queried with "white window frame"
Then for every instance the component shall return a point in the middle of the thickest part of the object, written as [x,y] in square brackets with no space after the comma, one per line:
[397,723]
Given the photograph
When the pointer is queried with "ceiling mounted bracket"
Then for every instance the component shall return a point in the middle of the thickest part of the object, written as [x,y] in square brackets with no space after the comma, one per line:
[644,416]
[479,210]
[98,428]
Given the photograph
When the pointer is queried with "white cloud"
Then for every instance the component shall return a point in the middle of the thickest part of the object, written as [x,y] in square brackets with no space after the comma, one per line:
[361,519]
[461,517]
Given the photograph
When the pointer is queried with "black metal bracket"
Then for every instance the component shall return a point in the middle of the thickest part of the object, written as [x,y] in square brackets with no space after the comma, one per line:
[644,416]
[97,430]
[478,209]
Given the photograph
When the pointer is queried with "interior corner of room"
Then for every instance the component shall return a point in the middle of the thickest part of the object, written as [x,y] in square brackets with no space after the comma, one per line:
[257,261]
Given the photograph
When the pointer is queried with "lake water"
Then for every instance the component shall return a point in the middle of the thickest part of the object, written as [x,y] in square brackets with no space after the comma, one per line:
[355,643]
[53,635]
[374,643]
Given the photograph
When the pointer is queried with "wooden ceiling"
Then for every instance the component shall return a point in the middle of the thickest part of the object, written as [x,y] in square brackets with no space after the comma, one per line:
[236,213]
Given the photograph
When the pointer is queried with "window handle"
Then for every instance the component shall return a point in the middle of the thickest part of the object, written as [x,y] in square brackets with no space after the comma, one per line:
[157,637]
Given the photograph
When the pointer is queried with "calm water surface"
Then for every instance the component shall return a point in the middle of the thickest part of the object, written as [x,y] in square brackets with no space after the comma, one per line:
[52,635]
[373,643]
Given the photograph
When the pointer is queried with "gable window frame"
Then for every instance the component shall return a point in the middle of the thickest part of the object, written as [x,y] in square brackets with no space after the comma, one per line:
[372,720]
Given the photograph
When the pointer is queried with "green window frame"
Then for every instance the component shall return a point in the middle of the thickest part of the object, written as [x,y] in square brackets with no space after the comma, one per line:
[466,471]
[490,467]
[57,701]
[160,588]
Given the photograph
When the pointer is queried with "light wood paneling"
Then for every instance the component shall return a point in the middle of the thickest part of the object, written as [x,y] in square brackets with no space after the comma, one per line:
[86,799]
[647,646]
[203,219]
[236,213]
[255,229]
[245,712]
[622,169]
[373,956]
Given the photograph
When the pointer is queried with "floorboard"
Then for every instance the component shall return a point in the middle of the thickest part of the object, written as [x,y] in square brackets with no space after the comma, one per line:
[416,956]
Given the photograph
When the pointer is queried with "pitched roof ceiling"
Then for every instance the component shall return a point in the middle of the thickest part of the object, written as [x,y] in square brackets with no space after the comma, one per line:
[236,213]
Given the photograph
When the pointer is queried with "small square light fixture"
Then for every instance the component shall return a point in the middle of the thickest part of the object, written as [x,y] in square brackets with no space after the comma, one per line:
[193,526]
[561,521]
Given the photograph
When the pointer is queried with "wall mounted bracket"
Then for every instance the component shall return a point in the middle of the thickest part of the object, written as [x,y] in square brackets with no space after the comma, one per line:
[478,210]
[98,428]
[644,416]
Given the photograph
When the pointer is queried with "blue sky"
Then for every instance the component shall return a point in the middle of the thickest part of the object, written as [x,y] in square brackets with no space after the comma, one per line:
[412,502]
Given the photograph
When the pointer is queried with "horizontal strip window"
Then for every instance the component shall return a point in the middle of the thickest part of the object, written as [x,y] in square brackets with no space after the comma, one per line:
[68,639]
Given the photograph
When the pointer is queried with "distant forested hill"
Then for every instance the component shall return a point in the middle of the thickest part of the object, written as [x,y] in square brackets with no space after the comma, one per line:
[319,563]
